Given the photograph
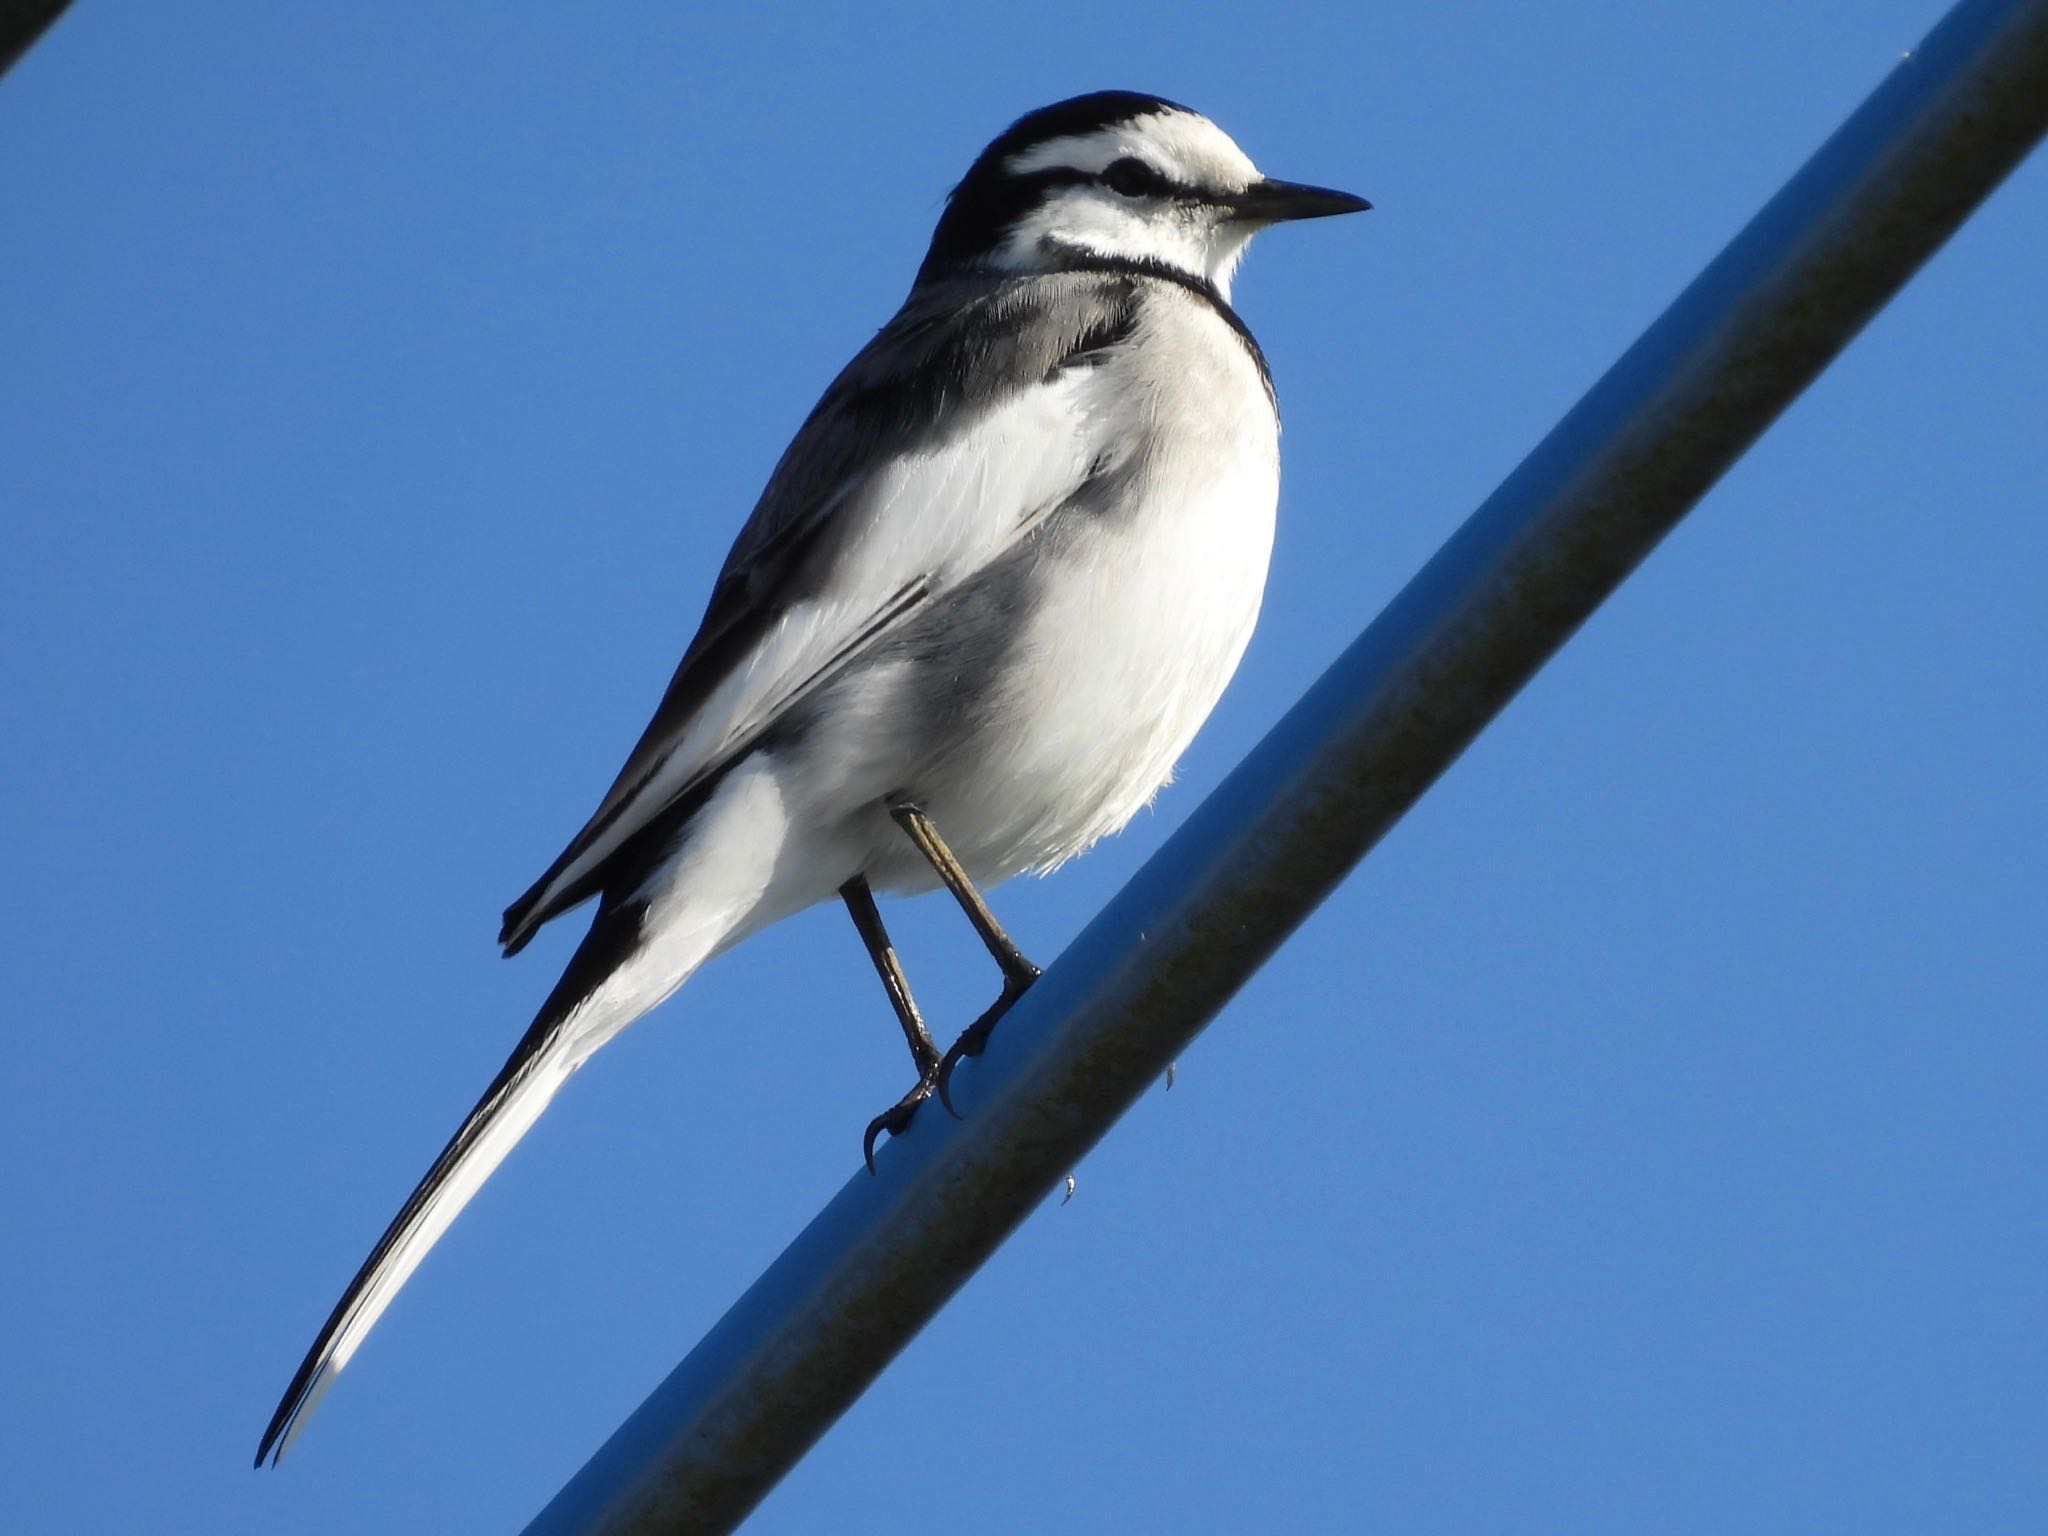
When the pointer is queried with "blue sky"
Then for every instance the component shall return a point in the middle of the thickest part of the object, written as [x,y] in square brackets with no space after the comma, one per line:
[1649,1136]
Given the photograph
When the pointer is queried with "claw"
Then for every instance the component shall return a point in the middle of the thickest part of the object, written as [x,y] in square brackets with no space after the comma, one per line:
[947,1063]
[867,1142]
[974,1038]
[896,1118]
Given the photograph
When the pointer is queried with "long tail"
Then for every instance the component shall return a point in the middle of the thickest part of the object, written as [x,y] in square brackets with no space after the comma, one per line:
[560,1039]
[705,882]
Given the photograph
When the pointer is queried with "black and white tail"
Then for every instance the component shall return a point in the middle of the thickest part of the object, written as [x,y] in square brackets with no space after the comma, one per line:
[697,878]
[585,1009]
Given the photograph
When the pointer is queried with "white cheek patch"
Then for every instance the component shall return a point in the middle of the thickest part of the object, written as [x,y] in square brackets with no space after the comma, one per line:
[1085,220]
[1184,146]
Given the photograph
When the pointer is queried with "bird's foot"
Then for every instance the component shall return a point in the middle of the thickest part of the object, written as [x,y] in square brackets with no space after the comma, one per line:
[897,1117]
[974,1039]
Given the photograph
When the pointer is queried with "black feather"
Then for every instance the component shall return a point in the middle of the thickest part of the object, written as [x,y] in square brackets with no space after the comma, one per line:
[990,197]
[955,352]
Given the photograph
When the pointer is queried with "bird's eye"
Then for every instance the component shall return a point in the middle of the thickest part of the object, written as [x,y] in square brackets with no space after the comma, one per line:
[1130,177]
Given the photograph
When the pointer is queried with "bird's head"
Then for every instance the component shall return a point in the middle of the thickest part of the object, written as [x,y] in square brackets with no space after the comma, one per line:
[1121,176]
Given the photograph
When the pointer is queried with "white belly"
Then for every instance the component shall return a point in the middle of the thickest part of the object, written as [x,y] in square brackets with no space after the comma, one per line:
[1137,634]
[1135,615]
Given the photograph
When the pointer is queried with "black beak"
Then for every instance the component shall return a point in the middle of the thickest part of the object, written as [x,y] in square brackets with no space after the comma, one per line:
[1274,202]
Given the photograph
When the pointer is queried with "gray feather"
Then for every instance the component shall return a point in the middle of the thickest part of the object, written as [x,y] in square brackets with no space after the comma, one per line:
[953,354]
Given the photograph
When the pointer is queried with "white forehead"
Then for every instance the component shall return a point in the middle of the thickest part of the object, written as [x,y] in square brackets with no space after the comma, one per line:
[1185,145]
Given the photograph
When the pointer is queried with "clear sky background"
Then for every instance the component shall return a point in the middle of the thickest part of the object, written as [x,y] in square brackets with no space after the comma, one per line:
[1650,1136]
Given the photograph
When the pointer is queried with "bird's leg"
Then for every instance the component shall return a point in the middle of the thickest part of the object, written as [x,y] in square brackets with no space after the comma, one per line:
[860,902]
[1018,972]
[867,918]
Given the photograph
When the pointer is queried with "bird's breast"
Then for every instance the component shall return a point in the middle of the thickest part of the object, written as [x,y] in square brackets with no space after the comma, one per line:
[1139,601]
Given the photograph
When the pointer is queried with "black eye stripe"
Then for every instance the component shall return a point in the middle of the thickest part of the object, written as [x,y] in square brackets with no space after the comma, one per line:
[1132,177]
[986,207]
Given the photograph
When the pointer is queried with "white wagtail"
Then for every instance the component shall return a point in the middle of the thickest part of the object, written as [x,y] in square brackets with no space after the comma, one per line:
[991,592]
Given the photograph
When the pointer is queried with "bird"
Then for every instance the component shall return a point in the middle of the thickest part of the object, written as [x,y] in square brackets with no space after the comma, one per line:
[992,589]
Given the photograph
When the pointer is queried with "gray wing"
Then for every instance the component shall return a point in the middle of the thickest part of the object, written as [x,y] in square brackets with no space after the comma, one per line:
[965,419]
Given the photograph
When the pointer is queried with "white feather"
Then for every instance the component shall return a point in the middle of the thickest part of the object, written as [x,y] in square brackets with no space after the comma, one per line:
[706,896]
[1118,629]
[932,517]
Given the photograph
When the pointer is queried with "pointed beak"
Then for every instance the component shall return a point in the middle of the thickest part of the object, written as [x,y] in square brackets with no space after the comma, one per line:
[1275,202]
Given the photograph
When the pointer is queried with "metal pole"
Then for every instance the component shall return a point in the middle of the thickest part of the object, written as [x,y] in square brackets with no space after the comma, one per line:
[1394,712]
[26,21]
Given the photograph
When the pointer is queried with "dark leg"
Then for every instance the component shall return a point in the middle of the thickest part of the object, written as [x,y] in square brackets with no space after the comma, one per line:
[1018,973]
[921,832]
[860,902]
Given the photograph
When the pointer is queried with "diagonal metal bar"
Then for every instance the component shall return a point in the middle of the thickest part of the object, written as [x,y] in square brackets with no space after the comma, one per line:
[22,24]
[1380,726]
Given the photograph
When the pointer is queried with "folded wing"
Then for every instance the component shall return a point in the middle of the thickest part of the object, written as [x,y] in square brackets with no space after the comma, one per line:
[970,416]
